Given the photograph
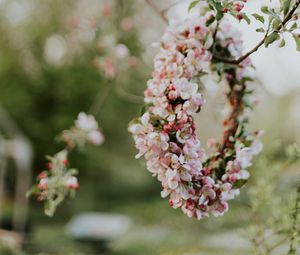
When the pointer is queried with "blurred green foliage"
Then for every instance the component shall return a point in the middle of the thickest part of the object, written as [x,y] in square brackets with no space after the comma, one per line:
[44,99]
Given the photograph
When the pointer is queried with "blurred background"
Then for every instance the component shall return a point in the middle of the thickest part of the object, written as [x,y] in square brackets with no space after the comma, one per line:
[58,58]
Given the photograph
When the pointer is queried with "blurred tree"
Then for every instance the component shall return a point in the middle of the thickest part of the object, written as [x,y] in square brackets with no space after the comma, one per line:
[48,74]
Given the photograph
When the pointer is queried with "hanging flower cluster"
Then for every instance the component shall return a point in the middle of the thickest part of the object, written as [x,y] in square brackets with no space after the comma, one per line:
[85,130]
[165,133]
[56,183]
[59,181]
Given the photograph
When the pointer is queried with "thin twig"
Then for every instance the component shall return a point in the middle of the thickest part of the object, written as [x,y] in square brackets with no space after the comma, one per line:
[294,230]
[164,11]
[100,98]
[160,13]
[128,96]
[277,244]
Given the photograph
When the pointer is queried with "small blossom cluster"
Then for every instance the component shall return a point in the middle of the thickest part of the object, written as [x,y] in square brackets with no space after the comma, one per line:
[85,130]
[235,7]
[165,132]
[232,7]
[113,57]
[55,183]
[58,181]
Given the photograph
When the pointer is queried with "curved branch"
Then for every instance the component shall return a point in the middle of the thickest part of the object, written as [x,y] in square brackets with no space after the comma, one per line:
[128,96]
[160,13]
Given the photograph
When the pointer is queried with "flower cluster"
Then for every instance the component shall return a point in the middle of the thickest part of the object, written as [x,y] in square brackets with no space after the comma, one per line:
[59,181]
[235,7]
[85,130]
[216,9]
[89,28]
[165,132]
[55,183]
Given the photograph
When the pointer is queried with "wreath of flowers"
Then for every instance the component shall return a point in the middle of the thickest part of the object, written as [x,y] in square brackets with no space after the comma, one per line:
[165,132]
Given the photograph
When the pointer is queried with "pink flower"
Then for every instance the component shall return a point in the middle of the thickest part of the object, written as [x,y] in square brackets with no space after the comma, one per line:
[127,24]
[72,182]
[96,137]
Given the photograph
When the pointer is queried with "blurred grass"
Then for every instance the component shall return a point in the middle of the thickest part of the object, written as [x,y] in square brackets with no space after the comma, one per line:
[156,229]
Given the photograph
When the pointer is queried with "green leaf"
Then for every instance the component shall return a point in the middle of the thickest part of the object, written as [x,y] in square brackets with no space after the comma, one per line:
[193,4]
[286,6]
[218,7]
[282,43]
[259,17]
[272,14]
[260,30]
[276,23]
[271,38]
[143,109]
[275,15]
[246,18]
[33,190]
[294,26]
[297,40]
[210,20]
[265,9]
[219,15]
[239,184]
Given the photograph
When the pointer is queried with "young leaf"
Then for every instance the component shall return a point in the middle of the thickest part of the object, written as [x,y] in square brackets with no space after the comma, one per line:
[271,38]
[297,40]
[276,24]
[286,6]
[219,15]
[274,15]
[260,30]
[210,20]
[239,184]
[33,190]
[265,9]
[282,43]
[259,17]
[246,18]
[193,4]
[294,26]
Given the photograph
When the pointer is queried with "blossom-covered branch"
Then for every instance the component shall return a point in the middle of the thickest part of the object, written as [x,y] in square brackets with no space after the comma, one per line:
[165,132]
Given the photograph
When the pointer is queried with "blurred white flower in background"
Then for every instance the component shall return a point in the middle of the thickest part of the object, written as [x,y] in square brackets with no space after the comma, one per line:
[121,51]
[55,50]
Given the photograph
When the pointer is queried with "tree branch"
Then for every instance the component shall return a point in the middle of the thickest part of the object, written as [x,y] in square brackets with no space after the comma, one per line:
[160,13]
[164,11]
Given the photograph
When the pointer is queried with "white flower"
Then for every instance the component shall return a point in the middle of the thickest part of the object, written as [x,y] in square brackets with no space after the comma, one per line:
[95,137]
[86,122]
[121,51]
[143,126]
[244,156]
[185,88]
